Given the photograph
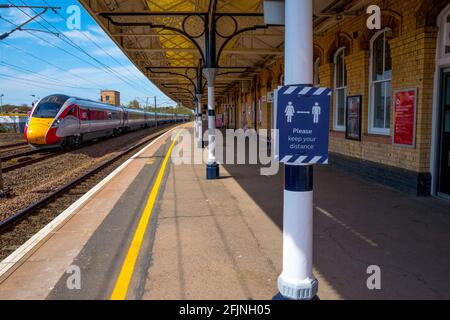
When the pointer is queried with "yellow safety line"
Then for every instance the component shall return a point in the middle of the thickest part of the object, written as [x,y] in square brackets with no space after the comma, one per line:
[123,282]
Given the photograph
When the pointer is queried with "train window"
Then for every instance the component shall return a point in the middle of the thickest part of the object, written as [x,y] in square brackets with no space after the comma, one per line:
[49,106]
[72,111]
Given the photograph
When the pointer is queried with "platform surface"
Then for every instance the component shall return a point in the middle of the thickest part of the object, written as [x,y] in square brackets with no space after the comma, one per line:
[222,239]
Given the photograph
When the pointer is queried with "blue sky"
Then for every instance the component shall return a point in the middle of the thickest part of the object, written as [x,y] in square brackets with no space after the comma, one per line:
[37,63]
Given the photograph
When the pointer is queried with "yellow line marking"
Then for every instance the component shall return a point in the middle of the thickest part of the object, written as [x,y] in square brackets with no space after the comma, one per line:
[123,281]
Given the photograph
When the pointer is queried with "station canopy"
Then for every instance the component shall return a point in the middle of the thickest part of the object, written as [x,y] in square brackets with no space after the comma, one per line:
[165,39]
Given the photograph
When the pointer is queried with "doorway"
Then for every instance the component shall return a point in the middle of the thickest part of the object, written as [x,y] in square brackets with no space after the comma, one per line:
[444,154]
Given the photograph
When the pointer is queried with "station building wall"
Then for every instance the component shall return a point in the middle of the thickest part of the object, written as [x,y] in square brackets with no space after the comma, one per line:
[412,32]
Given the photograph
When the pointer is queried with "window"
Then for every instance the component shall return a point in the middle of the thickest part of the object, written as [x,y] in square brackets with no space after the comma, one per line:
[380,84]
[71,111]
[316,72]
[49,106]
[447,36]
[340,89]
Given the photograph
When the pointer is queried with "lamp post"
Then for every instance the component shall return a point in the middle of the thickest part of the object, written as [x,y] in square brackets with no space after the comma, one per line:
[1,102]
[36,98]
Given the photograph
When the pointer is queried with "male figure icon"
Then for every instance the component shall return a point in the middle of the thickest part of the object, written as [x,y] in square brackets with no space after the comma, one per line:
[316,111]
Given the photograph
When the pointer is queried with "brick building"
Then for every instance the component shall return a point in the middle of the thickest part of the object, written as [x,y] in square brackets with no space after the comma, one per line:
[410,53]
[110,97]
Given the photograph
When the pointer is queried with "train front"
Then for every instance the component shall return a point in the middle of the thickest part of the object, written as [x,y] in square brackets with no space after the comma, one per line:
[41,127]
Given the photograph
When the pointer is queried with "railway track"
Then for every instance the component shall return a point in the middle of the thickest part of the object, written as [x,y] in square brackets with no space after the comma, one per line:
[21,160]
[12,145]
[58,200]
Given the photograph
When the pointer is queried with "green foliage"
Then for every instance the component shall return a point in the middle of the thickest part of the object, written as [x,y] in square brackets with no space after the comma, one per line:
[176,110]
[134,104]
[9,108]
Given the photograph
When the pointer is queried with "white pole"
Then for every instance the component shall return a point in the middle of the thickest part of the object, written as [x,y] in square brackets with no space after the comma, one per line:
[296,280]
[298,55]
[212,168]
[156,117]
[199,122]
[211,125]
[195,120]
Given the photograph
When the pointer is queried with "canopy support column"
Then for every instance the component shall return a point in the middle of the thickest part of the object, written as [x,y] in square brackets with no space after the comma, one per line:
[212,168]
[297,280]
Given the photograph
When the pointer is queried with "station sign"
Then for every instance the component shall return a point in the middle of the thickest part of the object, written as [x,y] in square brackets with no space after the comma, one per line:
[303,123]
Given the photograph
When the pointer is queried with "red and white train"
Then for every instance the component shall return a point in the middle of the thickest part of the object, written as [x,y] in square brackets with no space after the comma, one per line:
[60,120]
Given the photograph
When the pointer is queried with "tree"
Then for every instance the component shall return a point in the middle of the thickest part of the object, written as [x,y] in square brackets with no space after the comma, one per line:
[134,104]
[10,108]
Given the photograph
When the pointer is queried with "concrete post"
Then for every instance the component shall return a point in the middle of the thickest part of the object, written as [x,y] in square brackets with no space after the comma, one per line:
[296,280]
[212,168]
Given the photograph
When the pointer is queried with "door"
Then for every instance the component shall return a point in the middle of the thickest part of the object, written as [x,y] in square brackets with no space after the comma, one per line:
[444,168]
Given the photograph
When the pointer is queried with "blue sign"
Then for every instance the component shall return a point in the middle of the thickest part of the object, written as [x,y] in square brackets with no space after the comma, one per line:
[303,121]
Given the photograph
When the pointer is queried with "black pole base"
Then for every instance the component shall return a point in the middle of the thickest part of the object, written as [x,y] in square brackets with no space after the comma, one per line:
[212,171]
[280,297]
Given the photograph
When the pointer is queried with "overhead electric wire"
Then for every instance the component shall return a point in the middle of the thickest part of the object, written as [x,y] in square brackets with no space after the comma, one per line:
[97,45]
[46,82]
[46,78]
[49,63]
[74,45]
[32,83]
[55,46]
[64,70]
[27,81]
[70,42]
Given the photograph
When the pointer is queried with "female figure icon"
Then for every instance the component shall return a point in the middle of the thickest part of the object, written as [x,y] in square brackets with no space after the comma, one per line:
[290,112]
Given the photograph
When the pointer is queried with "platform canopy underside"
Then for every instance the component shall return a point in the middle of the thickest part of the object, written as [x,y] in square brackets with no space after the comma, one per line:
[165,39]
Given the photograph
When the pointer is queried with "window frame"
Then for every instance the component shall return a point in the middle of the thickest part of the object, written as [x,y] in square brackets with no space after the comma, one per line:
[443,23]
[317,72]
[371,128]
[336,126]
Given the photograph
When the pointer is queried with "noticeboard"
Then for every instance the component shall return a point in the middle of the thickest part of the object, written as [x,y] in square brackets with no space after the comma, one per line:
[302,121]
[405,102]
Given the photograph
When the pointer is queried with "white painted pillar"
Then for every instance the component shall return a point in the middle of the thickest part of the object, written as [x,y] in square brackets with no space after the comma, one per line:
[199,122]
[296,280]
[212,168]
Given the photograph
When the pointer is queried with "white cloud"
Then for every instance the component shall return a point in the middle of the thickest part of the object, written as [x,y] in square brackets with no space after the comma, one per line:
[17,16]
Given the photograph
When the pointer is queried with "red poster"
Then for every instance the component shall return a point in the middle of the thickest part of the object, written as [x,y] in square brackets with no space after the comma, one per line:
[404,117]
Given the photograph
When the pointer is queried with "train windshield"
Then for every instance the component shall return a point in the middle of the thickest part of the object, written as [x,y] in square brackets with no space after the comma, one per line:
[49,106]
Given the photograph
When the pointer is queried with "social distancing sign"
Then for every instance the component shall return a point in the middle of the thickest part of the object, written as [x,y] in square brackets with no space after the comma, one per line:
[303,121]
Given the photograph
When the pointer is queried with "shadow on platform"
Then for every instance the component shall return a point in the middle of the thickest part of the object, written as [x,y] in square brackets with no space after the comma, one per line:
[358,224]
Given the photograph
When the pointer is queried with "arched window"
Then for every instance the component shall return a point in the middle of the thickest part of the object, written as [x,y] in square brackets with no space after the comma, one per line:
[380,83]
[316,72]
[444,34]
[340,90]
[447,36]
